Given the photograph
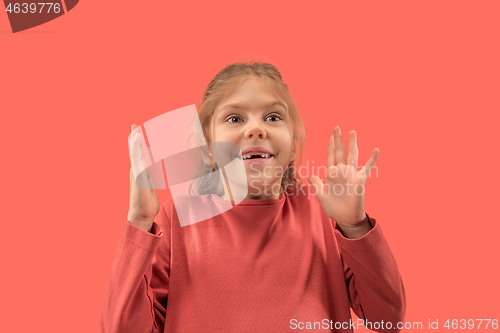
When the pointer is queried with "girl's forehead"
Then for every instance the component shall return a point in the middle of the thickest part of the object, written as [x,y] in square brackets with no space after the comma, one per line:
[251,92]
[258,105]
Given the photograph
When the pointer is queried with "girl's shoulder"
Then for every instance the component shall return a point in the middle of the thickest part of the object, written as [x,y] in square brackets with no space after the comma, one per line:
[185,210]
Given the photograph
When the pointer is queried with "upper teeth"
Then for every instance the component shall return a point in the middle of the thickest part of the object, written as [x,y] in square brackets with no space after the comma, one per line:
[250,155]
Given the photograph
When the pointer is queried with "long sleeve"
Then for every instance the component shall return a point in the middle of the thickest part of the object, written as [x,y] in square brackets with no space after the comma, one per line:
[136,296]
[374,284]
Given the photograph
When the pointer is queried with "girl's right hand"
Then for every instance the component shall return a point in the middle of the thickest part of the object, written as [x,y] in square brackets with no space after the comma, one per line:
[144,203]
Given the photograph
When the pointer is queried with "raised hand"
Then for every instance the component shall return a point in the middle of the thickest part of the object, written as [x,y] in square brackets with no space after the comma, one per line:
[342,196]
[144,203]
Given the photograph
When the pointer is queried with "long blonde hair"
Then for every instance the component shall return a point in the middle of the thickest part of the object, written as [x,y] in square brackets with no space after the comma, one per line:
[222,85]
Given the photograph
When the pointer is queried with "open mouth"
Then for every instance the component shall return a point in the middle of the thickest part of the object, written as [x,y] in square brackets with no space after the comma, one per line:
[255,156]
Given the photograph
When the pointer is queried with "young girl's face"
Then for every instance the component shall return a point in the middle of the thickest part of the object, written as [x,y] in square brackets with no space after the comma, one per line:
[254,118]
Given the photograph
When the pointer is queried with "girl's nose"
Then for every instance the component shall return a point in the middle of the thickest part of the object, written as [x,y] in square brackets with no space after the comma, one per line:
[255,131]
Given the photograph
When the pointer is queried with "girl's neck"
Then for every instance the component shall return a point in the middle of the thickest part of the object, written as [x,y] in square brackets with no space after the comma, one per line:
[268,192]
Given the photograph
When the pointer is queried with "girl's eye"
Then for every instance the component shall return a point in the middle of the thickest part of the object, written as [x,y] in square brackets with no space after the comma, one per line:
[274,116]
[237,119]
[233,117]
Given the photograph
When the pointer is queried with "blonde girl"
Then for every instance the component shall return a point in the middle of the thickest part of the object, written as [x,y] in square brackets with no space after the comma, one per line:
[280,260]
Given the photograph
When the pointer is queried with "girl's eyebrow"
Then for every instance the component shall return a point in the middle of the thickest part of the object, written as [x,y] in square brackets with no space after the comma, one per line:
[238,106]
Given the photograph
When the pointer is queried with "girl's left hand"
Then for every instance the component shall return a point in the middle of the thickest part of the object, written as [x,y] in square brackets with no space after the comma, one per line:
[342,196]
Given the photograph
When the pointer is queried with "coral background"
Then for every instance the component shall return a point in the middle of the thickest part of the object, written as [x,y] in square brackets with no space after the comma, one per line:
[418,80]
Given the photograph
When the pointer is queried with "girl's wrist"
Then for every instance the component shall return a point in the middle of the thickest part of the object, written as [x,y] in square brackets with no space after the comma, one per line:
[145,225]
[357,230]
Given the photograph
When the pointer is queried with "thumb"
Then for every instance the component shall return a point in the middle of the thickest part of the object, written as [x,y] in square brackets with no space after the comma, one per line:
[317,184]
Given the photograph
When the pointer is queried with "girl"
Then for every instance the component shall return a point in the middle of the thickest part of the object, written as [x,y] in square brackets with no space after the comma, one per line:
[281,259]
